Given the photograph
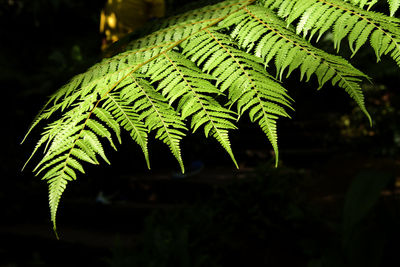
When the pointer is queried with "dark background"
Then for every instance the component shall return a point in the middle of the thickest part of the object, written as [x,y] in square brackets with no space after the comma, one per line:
[333,201]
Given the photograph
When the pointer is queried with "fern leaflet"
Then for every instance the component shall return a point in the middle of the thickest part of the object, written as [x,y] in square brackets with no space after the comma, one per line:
[182,79]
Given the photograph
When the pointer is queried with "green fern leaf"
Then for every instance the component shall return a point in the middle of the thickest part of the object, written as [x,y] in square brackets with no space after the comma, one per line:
[84,156]
[190,85]
[246,80]
[109,120]
[90,138]
[57,185]
[291,51]
[157,114]
[129,120]
[205,67]
[393,6]
[350,21]
[100,130]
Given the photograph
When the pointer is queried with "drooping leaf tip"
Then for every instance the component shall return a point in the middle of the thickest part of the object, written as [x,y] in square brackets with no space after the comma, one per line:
[55,231]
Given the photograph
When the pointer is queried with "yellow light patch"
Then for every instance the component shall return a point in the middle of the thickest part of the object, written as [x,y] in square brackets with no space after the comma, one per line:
[120,17]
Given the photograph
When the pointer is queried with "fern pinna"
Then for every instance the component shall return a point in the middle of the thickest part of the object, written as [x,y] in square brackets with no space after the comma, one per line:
[204,70]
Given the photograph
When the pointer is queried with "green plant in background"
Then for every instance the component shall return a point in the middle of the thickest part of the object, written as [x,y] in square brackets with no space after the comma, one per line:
[205,69]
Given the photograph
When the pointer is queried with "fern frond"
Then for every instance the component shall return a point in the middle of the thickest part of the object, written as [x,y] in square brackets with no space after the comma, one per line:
[64,168]
[250,87]
[156,113]
[57,185]
[345,20]
[180,78]
[98,82]
[69,143]
[126,117]
[205,67]
[258,29]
